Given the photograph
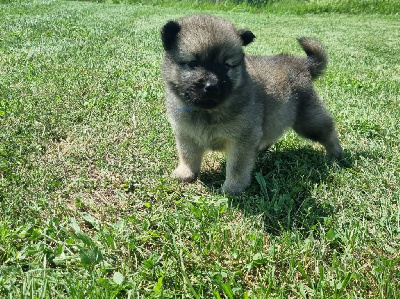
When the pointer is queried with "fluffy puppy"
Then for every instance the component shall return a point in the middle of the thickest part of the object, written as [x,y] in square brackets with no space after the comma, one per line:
[218,98]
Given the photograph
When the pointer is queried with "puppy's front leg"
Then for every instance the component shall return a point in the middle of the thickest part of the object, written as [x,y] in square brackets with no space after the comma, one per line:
[190,155]
[239,165]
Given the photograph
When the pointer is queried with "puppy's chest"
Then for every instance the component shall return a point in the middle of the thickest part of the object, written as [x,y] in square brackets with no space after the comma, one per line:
[210,133]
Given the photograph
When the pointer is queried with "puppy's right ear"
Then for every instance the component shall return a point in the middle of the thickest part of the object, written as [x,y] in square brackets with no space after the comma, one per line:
[169,34]
[247,36]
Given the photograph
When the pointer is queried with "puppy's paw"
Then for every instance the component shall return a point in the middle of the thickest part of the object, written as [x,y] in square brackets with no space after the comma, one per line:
[183,174]
[333,147]
[335,151]
[232,188]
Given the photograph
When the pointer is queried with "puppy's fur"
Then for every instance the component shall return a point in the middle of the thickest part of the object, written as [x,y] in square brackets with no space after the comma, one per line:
[217,98]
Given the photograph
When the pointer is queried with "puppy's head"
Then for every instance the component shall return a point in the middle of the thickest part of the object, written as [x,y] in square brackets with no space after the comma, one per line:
[204,60]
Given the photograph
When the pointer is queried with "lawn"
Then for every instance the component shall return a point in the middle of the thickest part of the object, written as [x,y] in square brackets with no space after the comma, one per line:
[87,206]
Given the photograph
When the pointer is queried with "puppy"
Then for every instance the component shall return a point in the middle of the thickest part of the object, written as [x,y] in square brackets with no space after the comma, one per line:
[218,98]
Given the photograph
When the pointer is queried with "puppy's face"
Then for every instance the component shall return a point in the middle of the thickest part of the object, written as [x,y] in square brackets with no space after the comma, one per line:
[204,60]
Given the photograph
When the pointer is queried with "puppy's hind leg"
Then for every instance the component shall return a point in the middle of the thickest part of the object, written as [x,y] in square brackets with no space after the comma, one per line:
[314,122]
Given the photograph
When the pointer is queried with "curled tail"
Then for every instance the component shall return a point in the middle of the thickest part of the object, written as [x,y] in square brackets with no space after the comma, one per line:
[316,56]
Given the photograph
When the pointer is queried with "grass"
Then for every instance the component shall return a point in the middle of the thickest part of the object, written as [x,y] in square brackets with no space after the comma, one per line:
[298,7]
[87,207]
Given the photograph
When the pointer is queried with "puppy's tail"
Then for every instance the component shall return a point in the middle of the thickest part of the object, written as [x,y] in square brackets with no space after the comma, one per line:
[316,56]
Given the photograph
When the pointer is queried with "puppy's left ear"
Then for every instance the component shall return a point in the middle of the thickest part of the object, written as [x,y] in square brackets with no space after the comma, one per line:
[247,36]
[169,34]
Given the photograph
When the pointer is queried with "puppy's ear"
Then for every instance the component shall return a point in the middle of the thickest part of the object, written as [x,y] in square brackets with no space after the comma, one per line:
[247,36]
[169,33]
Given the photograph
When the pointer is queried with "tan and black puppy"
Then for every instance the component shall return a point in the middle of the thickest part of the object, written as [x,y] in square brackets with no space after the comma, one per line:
[218,98]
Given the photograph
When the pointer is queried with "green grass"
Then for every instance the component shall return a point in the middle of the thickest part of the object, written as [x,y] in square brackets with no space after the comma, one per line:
[87,207]
[299,7]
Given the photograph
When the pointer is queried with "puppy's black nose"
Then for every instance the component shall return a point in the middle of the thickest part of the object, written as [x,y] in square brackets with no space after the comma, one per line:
[211,87]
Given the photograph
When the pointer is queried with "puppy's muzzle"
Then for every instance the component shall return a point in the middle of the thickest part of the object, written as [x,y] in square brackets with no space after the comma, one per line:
[211,87]
[208,91]
[208,95]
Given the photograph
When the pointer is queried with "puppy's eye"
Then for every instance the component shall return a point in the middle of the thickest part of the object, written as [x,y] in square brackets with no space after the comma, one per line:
[228,66]
[193,64]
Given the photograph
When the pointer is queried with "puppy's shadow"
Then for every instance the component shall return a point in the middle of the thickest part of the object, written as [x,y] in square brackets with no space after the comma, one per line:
[290,188]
